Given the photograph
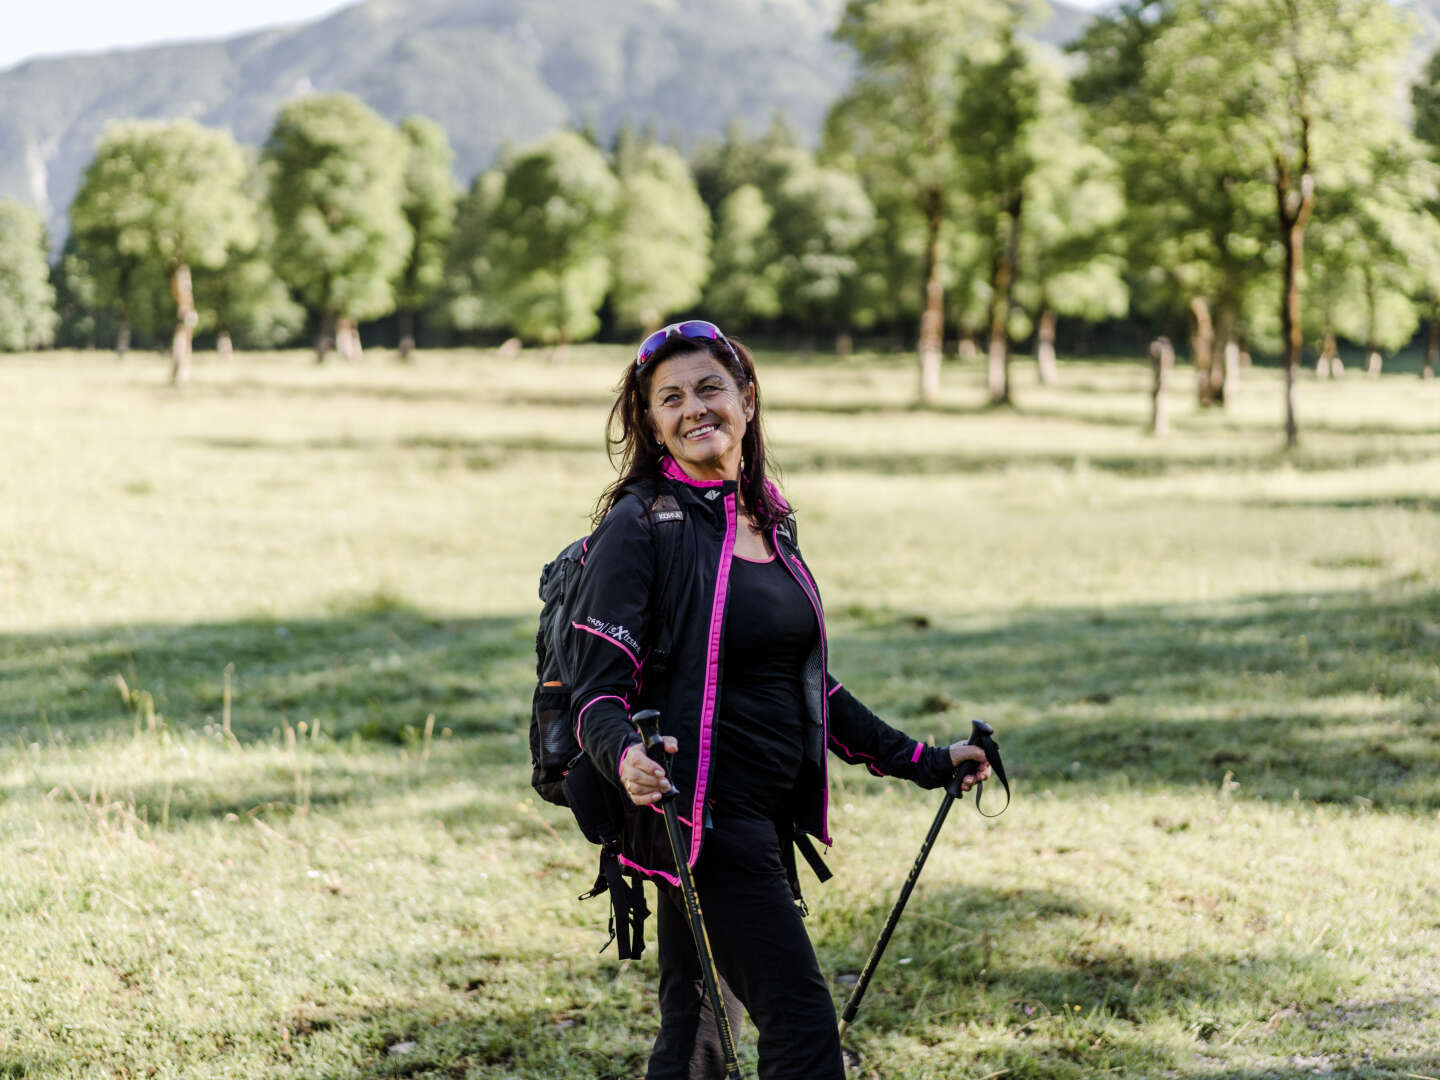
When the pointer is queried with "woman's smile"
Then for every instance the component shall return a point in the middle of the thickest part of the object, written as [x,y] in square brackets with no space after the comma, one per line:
[700,414]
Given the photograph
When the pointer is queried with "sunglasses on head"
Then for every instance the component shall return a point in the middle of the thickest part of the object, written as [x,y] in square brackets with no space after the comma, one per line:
[693,329]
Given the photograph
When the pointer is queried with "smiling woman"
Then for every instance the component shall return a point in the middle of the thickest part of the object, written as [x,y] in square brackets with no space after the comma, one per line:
[732,652]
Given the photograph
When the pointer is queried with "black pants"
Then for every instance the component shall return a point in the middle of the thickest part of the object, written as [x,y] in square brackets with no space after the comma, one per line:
[764,957]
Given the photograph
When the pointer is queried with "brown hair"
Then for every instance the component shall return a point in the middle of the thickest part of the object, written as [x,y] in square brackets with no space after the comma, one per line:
[630,436]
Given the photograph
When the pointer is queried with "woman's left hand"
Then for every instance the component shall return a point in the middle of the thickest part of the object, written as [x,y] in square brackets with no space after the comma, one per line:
[961,752]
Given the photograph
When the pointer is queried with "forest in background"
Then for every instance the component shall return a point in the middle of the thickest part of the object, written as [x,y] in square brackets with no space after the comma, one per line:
[1254,177]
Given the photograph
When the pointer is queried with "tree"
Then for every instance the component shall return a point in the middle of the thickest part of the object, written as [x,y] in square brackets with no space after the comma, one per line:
[994,129]
[170,195]
[429,207]
[1425,101]
[1301,90]
[660,246]
[469,303]
[822,217]
[1070,251]
[336,190]
[1375,239]
[1196,224]
[893,126]
[745,281]
[536,242]
[27,299]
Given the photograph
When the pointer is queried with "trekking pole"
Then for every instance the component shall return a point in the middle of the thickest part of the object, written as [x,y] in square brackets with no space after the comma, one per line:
[980,735]
[648,721]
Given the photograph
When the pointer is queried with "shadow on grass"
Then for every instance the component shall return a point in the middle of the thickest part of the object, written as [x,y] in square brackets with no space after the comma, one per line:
[1417,503]
[1334,696]
[375,671]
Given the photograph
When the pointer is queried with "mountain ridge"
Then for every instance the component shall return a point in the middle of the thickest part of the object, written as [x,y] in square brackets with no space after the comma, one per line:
[490,72]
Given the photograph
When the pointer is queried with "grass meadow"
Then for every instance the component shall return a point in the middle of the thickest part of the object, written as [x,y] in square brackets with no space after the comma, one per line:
[266,651]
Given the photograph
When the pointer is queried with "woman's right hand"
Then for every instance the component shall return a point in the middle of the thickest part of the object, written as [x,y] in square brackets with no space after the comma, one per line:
[644,780]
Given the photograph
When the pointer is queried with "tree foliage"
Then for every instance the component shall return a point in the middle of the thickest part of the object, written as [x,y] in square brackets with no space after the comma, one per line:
[660,253]
[27,299]
[167,198]
[893,126]
[535,242]
[429,207]
[336,189]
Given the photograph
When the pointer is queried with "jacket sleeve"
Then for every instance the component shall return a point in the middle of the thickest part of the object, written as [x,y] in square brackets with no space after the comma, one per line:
[608,629]
[860,737]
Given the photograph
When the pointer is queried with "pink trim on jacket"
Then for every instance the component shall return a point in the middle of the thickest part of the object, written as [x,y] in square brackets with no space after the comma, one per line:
[813,595]
[606,637]
[672,469]
[837,686]
[712,676]
[916,756]
[856,753]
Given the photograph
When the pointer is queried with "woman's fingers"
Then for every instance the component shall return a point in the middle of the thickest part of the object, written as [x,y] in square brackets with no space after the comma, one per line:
[644,780]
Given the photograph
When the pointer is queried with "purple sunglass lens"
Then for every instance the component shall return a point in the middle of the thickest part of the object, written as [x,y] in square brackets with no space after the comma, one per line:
[698,329]
[649,345]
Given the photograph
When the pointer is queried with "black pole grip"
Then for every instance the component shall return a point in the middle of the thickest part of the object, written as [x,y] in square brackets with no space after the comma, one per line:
[980,732]
[648,722]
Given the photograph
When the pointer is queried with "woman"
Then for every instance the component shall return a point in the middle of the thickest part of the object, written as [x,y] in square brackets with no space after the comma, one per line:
[724,633]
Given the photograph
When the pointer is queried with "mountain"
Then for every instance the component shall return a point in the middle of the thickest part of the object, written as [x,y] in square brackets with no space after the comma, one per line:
[489,71]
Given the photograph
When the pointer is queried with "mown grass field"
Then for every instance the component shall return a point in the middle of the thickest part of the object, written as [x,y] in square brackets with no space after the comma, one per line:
[265,664]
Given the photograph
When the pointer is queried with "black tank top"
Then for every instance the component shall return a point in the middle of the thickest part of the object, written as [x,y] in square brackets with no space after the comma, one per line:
[770,629]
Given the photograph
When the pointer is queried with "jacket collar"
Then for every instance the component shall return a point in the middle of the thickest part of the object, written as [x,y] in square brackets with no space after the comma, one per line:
[671,469]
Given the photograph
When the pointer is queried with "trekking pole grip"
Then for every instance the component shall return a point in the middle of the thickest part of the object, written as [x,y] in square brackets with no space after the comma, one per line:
[648,722]
[980,733]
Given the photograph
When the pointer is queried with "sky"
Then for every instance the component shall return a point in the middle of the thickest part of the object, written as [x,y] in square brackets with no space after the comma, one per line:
[52,27]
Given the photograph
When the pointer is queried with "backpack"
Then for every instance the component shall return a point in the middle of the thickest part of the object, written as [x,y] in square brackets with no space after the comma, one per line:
[560,771]
[553,749]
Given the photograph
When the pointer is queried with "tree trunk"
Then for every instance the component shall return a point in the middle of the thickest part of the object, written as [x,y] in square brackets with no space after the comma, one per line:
[122,336]
[1432,348]
[347,338]
[325,337]
[223,345]
[1000,299]
[965,348]
[932,317]
[1045,348]
[185,320]
[1290,326]
[844,344]
[1374,362]
[1162,359]
[1202,348]
[1328,365]
[407,333]
[1293,207]
[1232,368]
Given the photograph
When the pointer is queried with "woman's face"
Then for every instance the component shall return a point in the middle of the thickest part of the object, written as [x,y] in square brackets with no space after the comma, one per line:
[700,414]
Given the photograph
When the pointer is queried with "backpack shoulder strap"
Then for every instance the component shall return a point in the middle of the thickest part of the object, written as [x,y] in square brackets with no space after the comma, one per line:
[667,520]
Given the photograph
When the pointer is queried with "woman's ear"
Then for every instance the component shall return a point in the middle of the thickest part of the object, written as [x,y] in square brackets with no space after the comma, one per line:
[749,402]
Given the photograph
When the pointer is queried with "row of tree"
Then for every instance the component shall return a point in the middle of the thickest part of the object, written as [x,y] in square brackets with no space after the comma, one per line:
[963,181]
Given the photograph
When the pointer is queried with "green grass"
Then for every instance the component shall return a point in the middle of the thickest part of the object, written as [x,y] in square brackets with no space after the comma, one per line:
[265,661]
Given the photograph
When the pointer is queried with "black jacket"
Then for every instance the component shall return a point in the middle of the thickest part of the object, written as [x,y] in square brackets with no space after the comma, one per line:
[648,621]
